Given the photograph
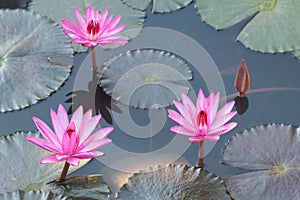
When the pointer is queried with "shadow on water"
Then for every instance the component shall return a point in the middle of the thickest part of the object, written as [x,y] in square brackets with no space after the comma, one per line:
[95,98]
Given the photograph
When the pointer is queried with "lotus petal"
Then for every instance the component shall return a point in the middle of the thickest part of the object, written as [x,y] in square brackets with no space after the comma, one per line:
[35,58]
[159,6]
[145,78]
[274,28]
[59,9]
[272,151]
[20,164]
[174,182]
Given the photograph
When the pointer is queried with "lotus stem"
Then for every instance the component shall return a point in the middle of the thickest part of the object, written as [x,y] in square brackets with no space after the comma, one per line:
[201,155]
[94,59]
[64,172]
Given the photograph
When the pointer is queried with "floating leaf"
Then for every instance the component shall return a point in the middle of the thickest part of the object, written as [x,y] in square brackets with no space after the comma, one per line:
[35,58]
[159,6]
[273,29]
[82,187]
[297,54]
[32,195]
[145,78]
[174,182]
[20,164]
[273,152]
[59,9]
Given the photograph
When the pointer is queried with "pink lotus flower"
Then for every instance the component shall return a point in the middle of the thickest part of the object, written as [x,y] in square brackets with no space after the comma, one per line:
[95,29]
[71,140]
[203,121]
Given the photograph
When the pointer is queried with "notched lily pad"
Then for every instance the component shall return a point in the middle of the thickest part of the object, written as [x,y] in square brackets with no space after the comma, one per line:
[274,28]
[174,182]
[159,6]
[273,152]
[59,9]
[35,58]
[20,164]
[145,78]
[32,195]
[82,187]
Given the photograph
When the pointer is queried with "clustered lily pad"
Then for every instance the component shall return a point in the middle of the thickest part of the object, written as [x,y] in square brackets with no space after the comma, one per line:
[32,195]
[159,6]
[35,58]
[174,182]
[145,78]
[23,170]
[60,9]
[81,187]
[274,28]
[271,152]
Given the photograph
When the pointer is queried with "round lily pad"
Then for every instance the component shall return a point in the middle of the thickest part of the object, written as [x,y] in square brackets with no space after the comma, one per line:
[32,195]
[59,9]
[272,151]
[274,28]
[35,58]
[174,182]
[145,78]
[159,6]
[20,164]
[80,187]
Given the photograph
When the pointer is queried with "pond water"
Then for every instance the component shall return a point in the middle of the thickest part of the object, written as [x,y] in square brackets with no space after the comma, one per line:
[266,71]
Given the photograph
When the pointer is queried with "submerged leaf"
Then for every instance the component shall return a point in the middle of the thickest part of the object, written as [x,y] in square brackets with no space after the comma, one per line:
[82,187]
[32,195]
[273,29]
[35,58]
[20,164]
[273,152]
[159,6]
[145,78]
[174,182]
[60,9]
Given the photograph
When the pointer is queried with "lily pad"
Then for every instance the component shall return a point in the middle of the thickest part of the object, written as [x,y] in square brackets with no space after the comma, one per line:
[159,6]
[59,9]
[297,54]
[174,182]
[32,195]
[272,151]
[82,187]
[274,28]
[35,58]
[20,164]
[145,78]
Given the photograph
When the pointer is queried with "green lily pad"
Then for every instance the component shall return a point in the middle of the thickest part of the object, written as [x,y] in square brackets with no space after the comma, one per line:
[59,9]
[20,164]
[272,151]
[145,78]
[297,54]
[35,58]
[32,195]
[82,187]
[274,28]
[174,182]
[159,6]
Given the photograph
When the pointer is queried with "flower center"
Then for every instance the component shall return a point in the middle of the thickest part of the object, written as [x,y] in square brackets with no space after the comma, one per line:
[202,119]
[93,27]
[71,129]
[202,123]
